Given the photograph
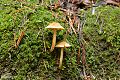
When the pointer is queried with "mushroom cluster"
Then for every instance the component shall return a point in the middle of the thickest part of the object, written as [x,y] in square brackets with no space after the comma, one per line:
[63,44]
[54,26]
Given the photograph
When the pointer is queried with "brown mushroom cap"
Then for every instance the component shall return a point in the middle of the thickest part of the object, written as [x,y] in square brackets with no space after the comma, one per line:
[55,25]
[63,44]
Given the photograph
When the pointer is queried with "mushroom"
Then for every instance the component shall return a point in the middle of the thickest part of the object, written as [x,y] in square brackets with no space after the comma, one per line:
[54,26]
[62,45]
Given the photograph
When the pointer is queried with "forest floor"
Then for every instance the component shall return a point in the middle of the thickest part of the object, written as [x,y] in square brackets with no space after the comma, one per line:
[24,24]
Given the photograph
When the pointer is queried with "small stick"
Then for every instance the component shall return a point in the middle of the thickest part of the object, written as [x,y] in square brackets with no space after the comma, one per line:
[71,24]
[83,54]
[78,56]
[19,39]
[83,58]
[15,39]
[44,41]
[67,11]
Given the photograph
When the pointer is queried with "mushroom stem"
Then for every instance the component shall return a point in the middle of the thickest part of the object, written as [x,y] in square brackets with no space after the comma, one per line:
[53,41]
[61,57]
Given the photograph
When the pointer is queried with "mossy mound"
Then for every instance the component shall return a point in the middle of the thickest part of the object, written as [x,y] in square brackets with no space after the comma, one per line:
[33,59]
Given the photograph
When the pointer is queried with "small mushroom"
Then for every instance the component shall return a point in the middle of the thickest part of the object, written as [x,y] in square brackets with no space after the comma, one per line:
[54,26]
[62,45]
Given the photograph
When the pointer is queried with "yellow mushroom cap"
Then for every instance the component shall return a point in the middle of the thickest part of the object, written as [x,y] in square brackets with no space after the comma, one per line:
[55,25]
[63,44]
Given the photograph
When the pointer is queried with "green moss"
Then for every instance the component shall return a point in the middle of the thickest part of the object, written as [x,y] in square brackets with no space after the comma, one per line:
[33,59]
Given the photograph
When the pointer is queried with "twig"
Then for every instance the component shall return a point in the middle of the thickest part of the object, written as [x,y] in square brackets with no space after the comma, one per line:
[80,33]
[71,24]
[78,56]
[19,39]
[80,27]
[84,72]
[113,2]
[83,54]
[83,58]
[101,26]
[97,18]
[44,41]
[67,11]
